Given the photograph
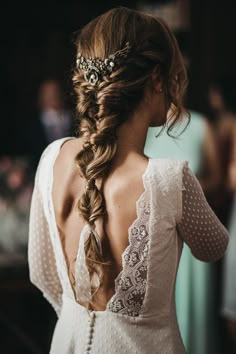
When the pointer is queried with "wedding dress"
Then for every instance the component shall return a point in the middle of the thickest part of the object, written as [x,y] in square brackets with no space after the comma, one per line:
[140,317]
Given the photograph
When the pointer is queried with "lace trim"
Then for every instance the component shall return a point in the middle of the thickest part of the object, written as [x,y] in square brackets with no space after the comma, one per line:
[130,285]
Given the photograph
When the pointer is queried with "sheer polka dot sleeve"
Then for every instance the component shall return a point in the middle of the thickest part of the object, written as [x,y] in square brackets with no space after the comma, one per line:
[199,227]
[42,265]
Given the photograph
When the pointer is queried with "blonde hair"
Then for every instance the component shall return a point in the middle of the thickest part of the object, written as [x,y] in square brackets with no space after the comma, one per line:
[104,107]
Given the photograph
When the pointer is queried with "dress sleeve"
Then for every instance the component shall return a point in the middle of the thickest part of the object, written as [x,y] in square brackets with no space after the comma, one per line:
[199,227]
[42,264]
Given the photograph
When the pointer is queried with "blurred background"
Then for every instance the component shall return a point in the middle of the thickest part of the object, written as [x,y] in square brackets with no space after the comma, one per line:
[38,106]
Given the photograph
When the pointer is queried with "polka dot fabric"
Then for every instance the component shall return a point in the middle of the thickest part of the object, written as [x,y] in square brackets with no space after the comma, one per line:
[199,226]
[176,212]
[42,264]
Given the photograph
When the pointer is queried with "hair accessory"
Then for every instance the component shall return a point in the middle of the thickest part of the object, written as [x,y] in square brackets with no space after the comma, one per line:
[90,184]
[97,238]
[95,69]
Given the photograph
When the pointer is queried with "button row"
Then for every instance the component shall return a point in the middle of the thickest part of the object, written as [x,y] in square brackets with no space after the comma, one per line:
[91,330]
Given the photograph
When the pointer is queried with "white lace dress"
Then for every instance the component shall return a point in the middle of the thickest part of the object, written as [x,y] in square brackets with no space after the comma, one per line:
[140,317]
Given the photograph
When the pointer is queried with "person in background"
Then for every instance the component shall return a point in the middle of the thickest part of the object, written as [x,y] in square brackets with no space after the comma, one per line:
[194,286]
[222,100]
[229,261]
[53,121]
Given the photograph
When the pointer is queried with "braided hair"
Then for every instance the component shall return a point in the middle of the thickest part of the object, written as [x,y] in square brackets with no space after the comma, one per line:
[104,104]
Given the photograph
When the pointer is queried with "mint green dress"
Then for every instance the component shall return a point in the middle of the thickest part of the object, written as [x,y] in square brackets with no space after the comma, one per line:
[195,279]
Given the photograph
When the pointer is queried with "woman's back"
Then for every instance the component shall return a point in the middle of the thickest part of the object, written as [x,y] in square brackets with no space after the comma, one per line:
[144,292]
[122,189]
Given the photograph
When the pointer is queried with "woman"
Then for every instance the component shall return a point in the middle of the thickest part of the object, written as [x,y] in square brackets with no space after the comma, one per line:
[104,246]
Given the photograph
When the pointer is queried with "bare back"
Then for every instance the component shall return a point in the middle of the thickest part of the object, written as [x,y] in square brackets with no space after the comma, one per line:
[121,189]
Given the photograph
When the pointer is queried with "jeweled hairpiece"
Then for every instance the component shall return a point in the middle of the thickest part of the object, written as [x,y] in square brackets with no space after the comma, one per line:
[95,69]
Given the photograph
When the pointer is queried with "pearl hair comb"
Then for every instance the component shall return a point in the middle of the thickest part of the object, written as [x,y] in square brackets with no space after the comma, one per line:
[96,69]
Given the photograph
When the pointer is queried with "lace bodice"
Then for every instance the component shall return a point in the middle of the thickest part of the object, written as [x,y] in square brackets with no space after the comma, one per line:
[171,211]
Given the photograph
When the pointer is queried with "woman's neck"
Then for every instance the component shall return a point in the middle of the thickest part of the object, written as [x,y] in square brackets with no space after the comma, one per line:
[131,136]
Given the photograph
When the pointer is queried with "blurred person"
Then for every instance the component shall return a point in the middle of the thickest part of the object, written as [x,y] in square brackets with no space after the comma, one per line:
[53,120]
[229,268]
[222,99]
[107,224]
[195,290]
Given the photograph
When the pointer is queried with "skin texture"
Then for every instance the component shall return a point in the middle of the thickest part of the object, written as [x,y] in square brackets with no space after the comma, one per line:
[124,180]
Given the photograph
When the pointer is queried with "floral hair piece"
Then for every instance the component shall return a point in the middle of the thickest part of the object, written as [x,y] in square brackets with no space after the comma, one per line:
[95,69]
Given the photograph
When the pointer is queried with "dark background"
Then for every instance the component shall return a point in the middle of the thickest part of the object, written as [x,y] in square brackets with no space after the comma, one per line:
[37,43]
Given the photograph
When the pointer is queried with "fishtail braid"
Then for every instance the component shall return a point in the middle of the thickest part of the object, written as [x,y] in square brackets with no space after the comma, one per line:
[97,127]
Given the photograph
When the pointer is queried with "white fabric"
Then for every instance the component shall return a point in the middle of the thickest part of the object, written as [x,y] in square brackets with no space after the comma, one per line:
[140,317]
[82,279]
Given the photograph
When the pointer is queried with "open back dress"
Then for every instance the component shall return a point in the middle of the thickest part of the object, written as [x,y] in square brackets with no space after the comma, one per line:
[140,317]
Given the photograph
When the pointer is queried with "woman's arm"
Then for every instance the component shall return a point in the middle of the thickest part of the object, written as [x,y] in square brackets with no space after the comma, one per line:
[199,227]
